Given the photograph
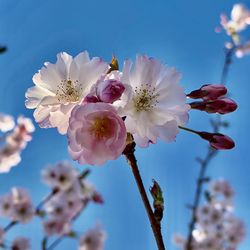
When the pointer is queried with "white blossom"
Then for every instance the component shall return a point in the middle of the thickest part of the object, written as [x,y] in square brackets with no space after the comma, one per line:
[61,86]
[157,103]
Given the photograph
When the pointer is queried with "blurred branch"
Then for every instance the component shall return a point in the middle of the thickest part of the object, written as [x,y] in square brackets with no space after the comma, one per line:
[216,124]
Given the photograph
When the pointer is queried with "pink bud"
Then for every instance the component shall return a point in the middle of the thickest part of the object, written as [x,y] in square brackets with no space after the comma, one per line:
[209,92]
[97,198]
[109,90]
[221,106]
[90,99]
[217,140]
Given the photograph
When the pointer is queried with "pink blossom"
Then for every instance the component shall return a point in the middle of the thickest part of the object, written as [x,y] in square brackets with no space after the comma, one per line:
[96,134]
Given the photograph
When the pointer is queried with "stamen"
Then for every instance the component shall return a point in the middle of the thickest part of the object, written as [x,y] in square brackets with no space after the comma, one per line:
[68,91]
[101,128]
[145,98]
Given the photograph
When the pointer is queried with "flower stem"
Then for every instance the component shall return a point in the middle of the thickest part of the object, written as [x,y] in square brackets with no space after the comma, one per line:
[189,130]
[155,225]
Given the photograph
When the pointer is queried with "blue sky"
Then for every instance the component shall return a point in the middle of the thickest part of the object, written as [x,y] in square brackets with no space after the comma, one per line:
[179,33]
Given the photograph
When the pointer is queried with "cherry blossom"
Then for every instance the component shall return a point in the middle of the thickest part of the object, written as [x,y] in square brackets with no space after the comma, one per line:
[157,105]
[61,86]
[96,134]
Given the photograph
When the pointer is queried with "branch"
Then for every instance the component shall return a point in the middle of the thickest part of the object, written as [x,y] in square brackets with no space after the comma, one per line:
[155,225]
[204,163]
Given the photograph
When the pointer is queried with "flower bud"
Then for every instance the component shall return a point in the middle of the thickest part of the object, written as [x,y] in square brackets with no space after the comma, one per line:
[97,198]
[209,92]
[217,140]
[109,90]
[221,106]
[90,99]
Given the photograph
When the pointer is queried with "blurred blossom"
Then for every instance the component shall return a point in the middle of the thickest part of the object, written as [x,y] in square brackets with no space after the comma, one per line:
[157,104]
[17,206]
[55,226]
[14,142]
[7,123]
[216,226]
[21,244]
[69,201]
[221,187]
[61,86]
[9,158]
[243,50]
[240,19]
[61,175]
[96,134]
[93,240]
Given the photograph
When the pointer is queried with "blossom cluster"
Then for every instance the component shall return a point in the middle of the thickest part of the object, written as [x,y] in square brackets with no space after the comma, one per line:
[240,20]
[71,196]
[97,105]
[17,207]
[13,140]
[216,225]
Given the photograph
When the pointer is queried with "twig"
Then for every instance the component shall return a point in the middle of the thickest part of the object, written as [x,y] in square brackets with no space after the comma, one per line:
[156,226]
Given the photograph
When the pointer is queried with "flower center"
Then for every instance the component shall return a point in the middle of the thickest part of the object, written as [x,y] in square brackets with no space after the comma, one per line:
[68,91]
[145,98]
[101,128]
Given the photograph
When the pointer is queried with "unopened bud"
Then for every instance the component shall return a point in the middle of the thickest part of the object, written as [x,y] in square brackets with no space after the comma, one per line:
[217,140]
[109,90]
[209,92]
[221,106]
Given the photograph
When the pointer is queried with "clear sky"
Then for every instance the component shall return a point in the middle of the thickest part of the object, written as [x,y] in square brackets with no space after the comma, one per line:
[179,33]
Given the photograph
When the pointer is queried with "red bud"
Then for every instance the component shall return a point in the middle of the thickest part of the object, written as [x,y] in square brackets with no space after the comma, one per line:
[217,140]
[221,106]
[97,198]
[209,92]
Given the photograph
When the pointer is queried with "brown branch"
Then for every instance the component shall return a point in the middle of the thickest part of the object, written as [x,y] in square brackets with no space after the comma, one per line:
[155,225]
